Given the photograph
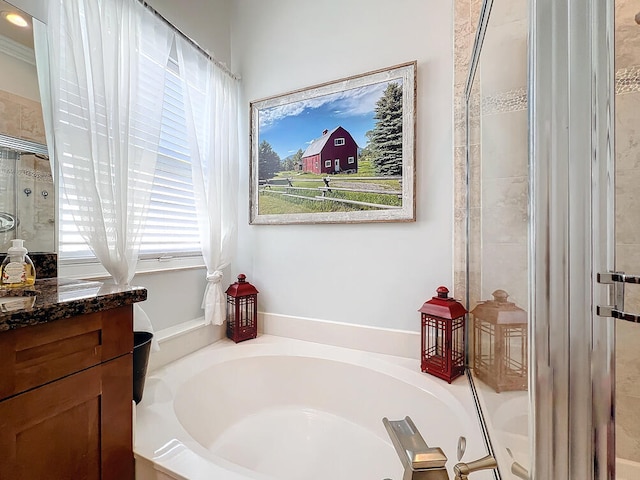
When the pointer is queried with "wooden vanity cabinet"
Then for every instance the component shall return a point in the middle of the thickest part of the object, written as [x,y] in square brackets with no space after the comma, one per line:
[66,398]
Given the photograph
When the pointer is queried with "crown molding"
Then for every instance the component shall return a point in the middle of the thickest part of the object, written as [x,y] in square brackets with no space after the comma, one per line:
[17,50]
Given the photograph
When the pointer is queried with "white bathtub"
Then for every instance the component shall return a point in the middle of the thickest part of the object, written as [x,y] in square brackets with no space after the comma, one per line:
[285,409]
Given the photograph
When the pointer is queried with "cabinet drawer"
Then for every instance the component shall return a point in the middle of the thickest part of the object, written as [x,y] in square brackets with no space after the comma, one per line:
[33,356]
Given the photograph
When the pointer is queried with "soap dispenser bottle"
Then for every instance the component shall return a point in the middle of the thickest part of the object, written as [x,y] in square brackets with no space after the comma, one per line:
[17,269]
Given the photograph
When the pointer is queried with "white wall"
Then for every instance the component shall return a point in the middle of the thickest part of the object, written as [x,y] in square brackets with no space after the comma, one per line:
[172,297]
[282,45]
[35,8]
[20,77]
[204,21]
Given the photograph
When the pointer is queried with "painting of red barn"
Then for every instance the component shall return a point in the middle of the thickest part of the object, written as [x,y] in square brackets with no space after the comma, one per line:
[334,152]
[338,152]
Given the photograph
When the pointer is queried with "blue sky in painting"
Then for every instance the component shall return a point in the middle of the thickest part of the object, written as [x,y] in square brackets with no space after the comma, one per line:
[294,126]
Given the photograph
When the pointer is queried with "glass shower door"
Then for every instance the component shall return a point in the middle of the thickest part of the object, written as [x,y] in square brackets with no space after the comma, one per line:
[497,215]
[8,195]
[583,99]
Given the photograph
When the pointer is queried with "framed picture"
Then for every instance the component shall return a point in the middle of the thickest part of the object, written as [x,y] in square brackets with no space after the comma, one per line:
[339,152]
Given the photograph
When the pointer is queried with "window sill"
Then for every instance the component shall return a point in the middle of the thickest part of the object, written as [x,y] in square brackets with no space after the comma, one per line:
[95,271]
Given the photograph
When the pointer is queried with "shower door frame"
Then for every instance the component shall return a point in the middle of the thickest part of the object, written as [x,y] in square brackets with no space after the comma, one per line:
[571,152]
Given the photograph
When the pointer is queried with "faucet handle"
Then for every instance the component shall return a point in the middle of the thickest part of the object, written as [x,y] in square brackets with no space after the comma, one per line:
[413,450]
[519,471]
[462,470]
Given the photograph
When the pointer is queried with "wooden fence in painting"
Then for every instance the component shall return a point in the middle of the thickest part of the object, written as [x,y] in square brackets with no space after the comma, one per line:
[284,187]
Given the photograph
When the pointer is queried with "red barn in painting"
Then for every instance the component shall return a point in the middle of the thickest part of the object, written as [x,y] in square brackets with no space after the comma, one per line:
[335,151]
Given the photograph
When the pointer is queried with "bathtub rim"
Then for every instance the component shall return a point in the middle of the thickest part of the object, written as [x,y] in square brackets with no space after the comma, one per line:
[176,453]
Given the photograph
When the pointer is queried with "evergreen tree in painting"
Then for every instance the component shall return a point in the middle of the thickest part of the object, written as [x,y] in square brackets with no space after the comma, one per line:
[289,163]
[268,161]
[386,137]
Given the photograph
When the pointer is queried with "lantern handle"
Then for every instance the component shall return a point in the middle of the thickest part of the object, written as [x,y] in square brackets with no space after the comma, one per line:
[443,292]
[500,296]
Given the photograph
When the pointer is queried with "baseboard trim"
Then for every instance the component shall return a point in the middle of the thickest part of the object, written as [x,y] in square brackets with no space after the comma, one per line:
[388,341]
[179,340]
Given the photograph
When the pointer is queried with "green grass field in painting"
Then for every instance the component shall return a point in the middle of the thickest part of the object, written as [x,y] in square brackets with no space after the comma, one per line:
[272,203]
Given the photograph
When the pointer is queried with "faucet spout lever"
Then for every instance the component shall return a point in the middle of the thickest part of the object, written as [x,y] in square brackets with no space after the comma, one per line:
[462,470]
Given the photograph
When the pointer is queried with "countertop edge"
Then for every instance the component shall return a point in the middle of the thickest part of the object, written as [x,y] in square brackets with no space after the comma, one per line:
[52,310]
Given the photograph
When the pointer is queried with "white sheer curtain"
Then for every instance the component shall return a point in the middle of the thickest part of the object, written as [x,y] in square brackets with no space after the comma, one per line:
[212,119]
[107,72]
[41,48]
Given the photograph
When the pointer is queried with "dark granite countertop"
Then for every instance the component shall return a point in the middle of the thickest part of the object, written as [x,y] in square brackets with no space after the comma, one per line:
[57,298]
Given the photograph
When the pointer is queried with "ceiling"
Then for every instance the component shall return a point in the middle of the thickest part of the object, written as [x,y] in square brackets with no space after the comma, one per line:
[23,35]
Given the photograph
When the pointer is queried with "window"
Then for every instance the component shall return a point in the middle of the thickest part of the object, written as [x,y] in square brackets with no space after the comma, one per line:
[337,142]
[172,223]
[327,163]
[351,160]
[171,228]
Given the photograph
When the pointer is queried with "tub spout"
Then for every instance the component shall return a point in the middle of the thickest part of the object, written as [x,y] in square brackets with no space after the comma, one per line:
[462,470]
[420,461]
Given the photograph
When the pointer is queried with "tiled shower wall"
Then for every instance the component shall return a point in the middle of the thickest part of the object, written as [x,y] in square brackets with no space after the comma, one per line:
[503,164]
[22,118]
[627,108]
[498,168]
[466,17]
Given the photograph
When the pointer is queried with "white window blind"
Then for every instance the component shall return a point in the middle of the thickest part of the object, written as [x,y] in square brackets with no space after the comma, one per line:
[171,228]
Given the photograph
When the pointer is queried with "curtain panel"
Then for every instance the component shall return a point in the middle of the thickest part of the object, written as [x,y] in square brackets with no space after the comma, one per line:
[211,100]
[107,62]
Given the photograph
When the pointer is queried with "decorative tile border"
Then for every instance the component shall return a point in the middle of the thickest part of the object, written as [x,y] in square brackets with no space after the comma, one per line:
[628,80]
[37,175]
[511,101]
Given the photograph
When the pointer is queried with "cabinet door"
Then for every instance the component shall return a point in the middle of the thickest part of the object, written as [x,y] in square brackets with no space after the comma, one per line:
[115,421]
[76,428]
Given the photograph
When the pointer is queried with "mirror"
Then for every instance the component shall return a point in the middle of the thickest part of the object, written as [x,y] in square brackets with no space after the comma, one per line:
[27,193]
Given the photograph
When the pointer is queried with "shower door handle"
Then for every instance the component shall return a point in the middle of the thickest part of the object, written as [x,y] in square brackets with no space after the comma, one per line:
[617,281]
[612,312]
[618,277]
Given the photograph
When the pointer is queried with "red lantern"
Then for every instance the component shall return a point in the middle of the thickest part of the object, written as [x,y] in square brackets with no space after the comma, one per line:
[242,310]
[443,349]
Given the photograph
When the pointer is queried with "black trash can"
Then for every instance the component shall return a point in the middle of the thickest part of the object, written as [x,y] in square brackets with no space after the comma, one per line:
[141,350]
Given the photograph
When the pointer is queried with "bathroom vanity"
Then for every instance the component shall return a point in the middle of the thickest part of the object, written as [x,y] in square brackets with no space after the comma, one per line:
[66,381]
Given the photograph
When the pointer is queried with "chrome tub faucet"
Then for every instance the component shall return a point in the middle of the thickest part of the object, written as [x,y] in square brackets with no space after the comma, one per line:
[422,462]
